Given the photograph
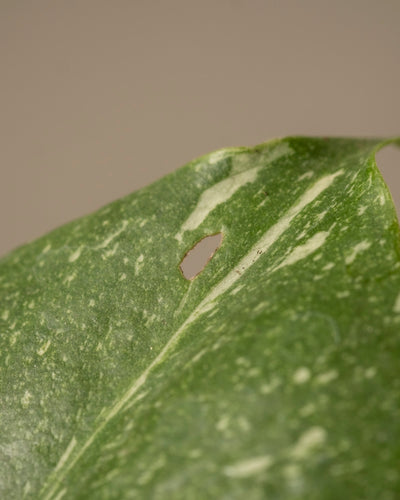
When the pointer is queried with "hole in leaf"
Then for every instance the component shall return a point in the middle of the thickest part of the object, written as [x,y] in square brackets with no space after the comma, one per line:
[388,161]
[196,259]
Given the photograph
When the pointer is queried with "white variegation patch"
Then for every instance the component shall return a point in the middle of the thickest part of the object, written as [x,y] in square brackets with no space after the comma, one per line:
[357,249]
[214,196]
[75,256]
[396,307]
[308,442]
[249,467]
[302,251]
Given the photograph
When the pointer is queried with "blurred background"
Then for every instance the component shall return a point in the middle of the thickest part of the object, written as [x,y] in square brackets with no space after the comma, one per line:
[100,98]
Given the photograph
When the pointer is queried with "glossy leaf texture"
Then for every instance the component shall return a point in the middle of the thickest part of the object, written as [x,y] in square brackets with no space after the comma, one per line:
[274,373]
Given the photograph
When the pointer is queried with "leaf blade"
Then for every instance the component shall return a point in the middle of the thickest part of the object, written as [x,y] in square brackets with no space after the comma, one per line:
[113,341]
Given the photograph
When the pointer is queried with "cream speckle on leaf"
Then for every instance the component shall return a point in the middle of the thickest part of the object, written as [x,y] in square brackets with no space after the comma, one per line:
[75,255]
[396,307]
[308,442]
[360,247]
[249,467]
[301,375]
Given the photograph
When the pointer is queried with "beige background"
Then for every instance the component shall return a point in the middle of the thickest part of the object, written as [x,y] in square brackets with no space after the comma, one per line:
[99,98]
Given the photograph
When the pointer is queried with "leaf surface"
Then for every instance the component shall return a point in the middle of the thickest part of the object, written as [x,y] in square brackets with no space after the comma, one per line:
[272,374]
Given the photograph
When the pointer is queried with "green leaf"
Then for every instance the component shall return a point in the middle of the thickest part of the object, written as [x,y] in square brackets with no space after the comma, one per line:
[272,374]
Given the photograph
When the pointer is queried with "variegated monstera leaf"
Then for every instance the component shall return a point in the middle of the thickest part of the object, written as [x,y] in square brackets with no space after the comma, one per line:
[272,374]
